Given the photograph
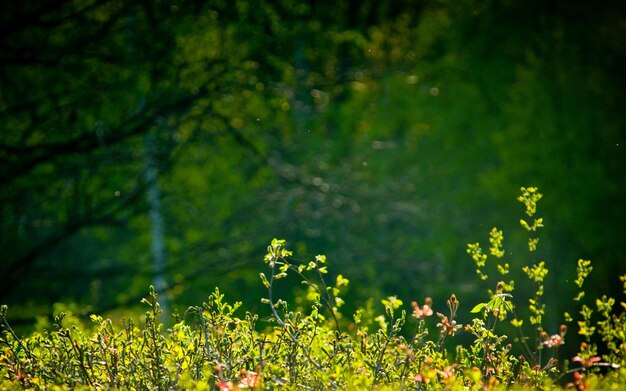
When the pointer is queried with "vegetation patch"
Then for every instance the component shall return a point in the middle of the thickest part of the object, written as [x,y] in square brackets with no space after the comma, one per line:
[311,344]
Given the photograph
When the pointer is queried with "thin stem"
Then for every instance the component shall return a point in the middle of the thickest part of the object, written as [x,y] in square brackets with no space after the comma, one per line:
[406,362]
[324,295]
[379,361]
[19,341]
[528,352]
[205,331]
[327,299]
[79,356]
[281,322]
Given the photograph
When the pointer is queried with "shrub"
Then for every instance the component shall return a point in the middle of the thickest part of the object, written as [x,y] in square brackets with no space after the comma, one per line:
[316,347]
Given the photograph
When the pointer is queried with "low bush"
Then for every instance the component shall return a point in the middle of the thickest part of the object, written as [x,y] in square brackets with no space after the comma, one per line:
[314,346]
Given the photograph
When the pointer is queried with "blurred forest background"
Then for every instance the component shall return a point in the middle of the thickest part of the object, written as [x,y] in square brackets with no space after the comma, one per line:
[168,142]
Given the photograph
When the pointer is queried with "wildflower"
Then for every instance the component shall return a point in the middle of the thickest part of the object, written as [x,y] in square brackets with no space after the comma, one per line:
[419,378]
[579,383]
[423,312]
[555,340]
[224,386]
[447,326]
[249,379]
[586,362]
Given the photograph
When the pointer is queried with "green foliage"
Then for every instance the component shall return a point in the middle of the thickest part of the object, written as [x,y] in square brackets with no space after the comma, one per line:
[314,347]
[356,133]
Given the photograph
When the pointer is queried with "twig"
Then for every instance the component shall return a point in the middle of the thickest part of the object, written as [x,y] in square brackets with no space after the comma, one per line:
[6,325]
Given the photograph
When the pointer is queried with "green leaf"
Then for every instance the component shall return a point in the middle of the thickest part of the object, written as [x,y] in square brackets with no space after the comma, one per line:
[478,308]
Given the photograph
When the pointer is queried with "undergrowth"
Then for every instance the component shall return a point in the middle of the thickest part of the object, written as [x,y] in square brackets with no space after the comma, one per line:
[315,346]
